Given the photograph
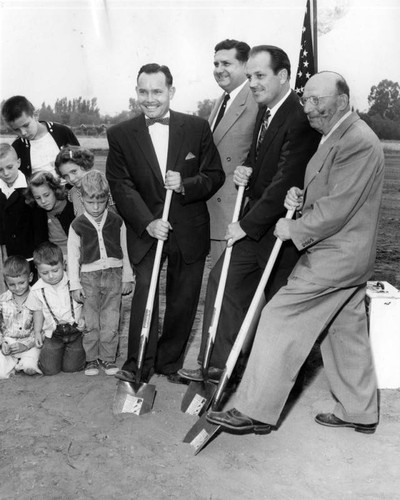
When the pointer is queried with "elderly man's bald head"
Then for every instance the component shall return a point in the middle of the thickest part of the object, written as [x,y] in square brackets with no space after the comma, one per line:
[326,100]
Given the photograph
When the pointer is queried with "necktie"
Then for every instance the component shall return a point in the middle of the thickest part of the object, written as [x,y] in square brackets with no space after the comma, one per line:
[152,121]
[263,129]
[221,111]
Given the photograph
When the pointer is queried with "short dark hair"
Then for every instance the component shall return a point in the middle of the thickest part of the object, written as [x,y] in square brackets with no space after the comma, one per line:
[15,106]
[48,253]
[44,178]
[157,68]
[16,266]
[279,58]
[242,49]
[82,157]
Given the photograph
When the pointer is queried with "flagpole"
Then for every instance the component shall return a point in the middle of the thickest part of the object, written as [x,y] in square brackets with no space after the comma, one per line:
[315,34]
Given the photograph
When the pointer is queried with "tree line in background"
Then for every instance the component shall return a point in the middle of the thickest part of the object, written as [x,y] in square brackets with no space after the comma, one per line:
[83,115]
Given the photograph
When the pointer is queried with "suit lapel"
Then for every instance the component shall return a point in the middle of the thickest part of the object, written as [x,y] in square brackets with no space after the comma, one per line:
[175,140]
[233,113]
[317,162]
[146,145]
[215,109]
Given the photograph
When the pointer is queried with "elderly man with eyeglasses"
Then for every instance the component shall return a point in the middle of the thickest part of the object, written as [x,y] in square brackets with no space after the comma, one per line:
[336,231]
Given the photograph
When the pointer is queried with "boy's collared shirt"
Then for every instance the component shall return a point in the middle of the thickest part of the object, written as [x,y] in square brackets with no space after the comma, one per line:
[20,182]
[16,320]
[105,262]
[58,298]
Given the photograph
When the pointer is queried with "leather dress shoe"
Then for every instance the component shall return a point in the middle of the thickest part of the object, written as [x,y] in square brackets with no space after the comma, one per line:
[236,421]
[175,378]
[214,374]
[128,376]
[331,420]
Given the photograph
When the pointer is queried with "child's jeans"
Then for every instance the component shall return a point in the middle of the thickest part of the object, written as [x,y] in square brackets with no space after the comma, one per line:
[101,310]
[62,353]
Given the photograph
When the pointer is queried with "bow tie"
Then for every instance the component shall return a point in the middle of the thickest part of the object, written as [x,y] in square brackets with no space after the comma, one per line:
[152,121]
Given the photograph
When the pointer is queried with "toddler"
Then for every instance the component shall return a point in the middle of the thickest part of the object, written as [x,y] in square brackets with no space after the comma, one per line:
[57,319]
[100,271]
[18,350]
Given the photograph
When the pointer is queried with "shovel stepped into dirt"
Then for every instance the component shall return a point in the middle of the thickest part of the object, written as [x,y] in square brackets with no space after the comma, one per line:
[140,395]
[198,394]
[203,431]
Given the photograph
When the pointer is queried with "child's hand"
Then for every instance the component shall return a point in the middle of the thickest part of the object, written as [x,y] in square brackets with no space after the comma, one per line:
[127,287]
[38,339]
[78,295]
[81,325]
[17,347]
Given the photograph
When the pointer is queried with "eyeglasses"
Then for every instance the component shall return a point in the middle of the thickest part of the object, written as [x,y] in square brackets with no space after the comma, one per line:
[314,100]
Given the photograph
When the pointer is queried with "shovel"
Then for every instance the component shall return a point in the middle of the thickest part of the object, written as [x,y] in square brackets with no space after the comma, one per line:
[138,397]
[203,431]
[197,395]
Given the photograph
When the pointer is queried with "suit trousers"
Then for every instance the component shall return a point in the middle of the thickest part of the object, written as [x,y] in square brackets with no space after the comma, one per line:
[245,271]
[182,292]
[288,328]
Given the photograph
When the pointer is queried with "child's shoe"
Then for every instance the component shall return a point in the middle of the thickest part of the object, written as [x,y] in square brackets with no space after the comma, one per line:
[109,367]
[92,368]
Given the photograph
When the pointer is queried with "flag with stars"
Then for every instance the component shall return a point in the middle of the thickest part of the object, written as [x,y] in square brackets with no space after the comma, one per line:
[306,57]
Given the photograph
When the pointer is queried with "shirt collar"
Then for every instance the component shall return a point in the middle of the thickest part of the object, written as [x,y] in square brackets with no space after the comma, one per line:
[275,108]
[20,182]
[337,124]
[235,91]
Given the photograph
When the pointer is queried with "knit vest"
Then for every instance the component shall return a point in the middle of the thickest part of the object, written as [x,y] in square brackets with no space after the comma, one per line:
[90,249]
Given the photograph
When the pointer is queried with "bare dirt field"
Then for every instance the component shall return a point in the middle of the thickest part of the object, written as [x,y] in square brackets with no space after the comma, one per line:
[60,440]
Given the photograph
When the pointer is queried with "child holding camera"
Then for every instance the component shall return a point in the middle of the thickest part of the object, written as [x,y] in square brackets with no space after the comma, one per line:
[57,321]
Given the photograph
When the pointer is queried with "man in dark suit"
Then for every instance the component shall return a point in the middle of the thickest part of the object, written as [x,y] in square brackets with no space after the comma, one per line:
[337,231]
[159,150]
[283,142]
[232,120]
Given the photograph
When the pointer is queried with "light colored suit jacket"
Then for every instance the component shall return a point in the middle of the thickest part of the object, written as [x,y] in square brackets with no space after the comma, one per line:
[233,139]
[343,189]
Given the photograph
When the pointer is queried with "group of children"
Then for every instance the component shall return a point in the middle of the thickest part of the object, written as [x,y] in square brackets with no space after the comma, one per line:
[60,322]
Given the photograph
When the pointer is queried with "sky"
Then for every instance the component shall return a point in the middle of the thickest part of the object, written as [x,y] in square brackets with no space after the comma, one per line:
[93,48]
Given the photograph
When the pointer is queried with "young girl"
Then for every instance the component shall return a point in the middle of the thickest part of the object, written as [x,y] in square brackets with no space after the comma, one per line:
[48,195]
[71,163]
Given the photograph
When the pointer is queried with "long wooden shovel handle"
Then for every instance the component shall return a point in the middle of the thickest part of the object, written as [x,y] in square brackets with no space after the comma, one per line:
[241,337]
[212,330]
[144,334]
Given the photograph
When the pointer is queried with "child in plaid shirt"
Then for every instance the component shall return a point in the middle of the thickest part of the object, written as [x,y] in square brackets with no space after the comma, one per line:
[17,339]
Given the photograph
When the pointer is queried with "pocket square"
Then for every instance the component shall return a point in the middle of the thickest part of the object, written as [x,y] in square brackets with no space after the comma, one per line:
[189,156]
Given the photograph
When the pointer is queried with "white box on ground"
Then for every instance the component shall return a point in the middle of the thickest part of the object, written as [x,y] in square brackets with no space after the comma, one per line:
[383,304]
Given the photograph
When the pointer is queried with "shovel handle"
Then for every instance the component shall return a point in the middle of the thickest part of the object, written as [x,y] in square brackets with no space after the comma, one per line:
[244,329]
[212,330]
[144,334]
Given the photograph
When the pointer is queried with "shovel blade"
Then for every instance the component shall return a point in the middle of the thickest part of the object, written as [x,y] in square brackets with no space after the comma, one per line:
[201,433]
[135,398]
[198,397]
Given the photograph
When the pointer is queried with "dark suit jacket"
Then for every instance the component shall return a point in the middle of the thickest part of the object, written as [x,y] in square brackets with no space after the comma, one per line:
[138,188]
[17,231]
[288,145]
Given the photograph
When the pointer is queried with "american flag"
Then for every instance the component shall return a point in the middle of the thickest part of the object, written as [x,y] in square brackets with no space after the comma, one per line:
[306,57]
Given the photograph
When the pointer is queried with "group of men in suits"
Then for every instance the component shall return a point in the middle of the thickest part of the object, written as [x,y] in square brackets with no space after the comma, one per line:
[262,139]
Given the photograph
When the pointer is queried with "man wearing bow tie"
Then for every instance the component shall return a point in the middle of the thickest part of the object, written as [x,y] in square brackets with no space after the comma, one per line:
[283,142]
[158,150]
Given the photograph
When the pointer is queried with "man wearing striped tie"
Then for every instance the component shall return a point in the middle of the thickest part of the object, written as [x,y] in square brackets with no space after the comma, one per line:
[283,142]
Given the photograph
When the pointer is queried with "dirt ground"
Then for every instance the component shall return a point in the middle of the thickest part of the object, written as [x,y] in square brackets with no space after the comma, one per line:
[60,440]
